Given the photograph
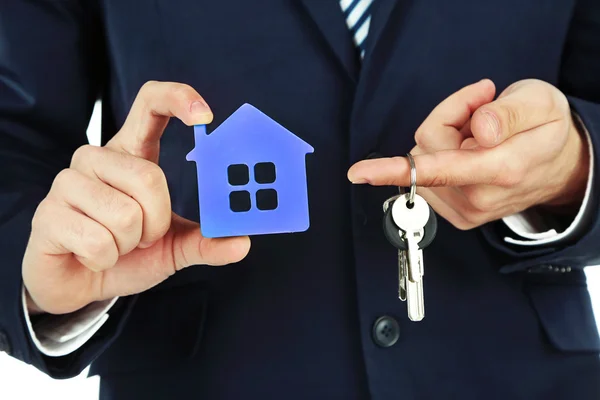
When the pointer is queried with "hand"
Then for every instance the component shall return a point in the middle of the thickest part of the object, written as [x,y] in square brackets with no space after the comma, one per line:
[106,227]
[479,160]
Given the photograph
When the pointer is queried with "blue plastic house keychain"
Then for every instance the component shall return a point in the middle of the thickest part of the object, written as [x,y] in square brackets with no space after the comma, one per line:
[251,177]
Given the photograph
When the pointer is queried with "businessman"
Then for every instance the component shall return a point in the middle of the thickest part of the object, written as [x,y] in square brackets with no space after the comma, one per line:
[104,262]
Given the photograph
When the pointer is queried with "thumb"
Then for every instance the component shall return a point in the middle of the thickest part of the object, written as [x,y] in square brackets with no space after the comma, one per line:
[150,113]
[191,248]
[523,106]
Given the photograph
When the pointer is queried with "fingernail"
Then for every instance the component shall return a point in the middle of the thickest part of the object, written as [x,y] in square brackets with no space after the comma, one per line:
[145,245]
[201,111]
[358,181]
[199,107]
[494,125]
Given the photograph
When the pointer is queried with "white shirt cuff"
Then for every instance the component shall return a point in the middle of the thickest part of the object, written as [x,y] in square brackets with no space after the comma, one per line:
[535,229]
[59,335]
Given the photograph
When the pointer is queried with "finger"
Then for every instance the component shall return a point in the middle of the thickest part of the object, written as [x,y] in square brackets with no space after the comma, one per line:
[142,180]
[155,103]
[441,130]
[194,249]
[442,168]
[469,144]
[452,205]
[66,230]
[119,213]
[526,106]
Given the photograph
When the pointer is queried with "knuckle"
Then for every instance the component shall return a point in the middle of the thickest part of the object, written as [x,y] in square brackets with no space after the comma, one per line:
[517,85]
[82,155]
[98,245]
[107,198]
[64,180]
[503,171]
[148,86]
[480,199]
[129,217]
[558,103]
[42,212]
[421,137]
[511,173]
[151,176]
[159,228]
[561,103]
[439,180]
[180,90]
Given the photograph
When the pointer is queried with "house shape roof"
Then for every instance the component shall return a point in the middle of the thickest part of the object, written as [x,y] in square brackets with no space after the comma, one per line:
[248,124]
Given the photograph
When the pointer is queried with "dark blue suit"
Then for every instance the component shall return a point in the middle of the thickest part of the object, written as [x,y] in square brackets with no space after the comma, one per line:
[294,320]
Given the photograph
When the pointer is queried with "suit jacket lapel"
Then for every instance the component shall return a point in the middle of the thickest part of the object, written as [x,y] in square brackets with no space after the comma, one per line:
[329,19]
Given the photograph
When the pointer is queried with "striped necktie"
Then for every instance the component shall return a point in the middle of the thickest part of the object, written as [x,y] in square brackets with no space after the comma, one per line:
[358,19]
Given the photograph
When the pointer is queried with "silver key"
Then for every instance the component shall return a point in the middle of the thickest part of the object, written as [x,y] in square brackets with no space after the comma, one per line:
[409,291]
[415,301]
[411,221]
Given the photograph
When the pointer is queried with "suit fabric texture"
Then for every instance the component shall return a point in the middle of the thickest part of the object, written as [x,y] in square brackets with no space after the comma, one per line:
[295,319]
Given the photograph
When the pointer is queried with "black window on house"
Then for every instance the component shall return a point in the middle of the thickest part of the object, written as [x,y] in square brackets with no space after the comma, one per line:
[240,198]
[238,174]
[264,172]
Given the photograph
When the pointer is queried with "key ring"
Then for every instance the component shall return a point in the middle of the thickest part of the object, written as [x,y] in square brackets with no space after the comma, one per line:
[413,179]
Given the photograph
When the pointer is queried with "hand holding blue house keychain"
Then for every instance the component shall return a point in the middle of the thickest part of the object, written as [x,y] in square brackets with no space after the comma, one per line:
[251,176]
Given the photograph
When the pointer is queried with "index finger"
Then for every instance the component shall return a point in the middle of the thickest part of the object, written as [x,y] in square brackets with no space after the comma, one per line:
[443,168]
[152,108]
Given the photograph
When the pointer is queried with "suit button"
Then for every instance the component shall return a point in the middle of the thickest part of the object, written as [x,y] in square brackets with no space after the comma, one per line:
[4,344]
[386,331]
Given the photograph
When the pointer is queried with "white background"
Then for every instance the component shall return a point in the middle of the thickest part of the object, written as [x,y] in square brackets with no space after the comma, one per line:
[20,381]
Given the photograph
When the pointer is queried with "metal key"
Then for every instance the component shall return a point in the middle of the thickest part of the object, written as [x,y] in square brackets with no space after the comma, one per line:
[393,234]
[396,237]
[410,225]
[409,291]
[415,301]
[411,218]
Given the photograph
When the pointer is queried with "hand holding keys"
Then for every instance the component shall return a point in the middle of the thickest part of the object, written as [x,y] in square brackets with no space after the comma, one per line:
[410,225]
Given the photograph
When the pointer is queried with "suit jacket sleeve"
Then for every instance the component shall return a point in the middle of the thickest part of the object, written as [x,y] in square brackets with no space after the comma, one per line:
[580,81]
[51,64]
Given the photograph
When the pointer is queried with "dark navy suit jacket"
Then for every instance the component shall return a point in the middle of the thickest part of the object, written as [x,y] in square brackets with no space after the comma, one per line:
[294,320]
